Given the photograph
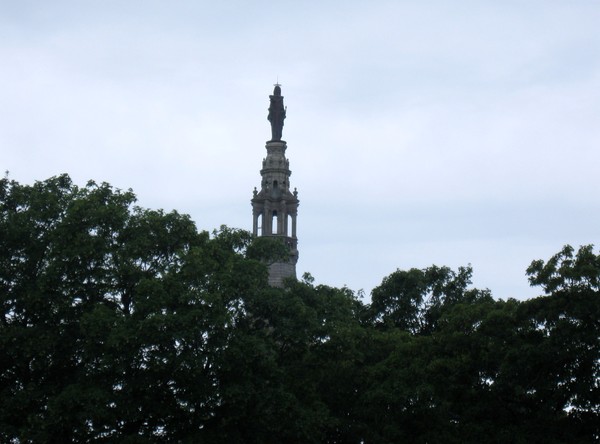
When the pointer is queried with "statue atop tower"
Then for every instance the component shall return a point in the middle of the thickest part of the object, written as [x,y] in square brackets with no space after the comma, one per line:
[276,113]
[275,207]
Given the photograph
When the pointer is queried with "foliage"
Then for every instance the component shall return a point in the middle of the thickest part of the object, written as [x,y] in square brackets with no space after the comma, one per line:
[414,300]
[123,324]
[115,318]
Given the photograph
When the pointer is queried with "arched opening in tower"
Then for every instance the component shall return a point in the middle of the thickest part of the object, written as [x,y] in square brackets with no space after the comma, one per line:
[259,225]
[274,223]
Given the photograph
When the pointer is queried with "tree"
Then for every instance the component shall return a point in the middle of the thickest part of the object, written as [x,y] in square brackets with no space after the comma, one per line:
[426,379]
[286,364]
[565,323]
[414,300]
[114,317]
[126,324]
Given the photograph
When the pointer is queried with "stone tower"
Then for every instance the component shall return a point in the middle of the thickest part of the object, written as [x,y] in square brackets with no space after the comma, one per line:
[275,207]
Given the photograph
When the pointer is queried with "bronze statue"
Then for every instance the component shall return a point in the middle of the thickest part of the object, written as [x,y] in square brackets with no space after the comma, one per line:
[276,113]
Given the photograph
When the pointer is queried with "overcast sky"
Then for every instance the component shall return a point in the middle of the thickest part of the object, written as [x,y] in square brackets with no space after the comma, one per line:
[419,133]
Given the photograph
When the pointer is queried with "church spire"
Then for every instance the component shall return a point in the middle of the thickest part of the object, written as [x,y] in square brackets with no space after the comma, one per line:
[275,207]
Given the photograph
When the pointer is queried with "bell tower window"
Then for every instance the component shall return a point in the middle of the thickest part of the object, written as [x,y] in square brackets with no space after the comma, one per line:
[275,223]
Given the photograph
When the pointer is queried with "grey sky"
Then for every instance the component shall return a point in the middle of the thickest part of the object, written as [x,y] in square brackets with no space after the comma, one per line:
[418,133]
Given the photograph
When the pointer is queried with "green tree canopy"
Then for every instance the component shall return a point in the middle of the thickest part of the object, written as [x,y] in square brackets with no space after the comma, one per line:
[114,318]
[414,300]
[124,324]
